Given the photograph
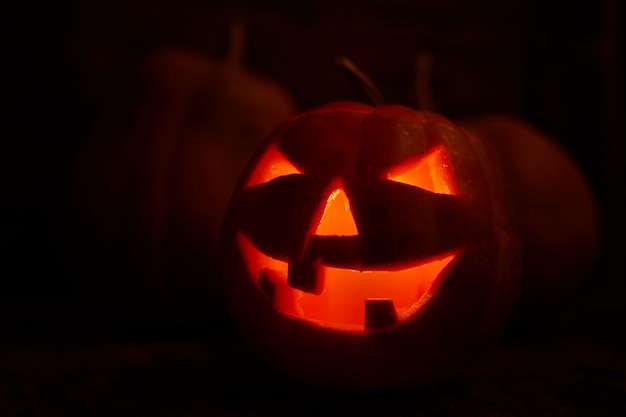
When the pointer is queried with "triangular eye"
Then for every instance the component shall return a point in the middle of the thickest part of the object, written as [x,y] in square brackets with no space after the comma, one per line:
[273,164]
[336,219]
[431,172]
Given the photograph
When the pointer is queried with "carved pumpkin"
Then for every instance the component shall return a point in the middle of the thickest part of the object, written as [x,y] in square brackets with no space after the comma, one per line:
[370,246]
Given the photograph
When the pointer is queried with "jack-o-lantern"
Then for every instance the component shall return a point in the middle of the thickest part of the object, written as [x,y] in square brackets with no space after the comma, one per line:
[370,246]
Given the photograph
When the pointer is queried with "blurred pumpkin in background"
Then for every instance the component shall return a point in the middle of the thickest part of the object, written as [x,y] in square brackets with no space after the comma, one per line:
[552,198]
[139,223]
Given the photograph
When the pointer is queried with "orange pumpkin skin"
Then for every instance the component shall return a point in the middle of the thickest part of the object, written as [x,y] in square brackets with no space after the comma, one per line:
[276,223]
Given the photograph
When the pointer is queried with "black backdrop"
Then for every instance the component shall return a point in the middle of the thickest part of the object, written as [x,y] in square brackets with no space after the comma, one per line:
[556,64]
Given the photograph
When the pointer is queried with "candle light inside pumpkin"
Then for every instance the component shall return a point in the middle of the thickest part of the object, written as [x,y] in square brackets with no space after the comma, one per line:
[340,297]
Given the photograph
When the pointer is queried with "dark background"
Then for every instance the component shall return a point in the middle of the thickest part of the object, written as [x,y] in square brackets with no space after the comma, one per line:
[554,63]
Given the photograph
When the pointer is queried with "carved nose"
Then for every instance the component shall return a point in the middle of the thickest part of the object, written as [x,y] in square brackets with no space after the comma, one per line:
[336,218]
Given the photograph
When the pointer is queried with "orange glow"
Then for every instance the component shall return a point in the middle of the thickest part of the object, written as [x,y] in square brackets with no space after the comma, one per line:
[431,172]
[337,219]
[341,305]
[273,164]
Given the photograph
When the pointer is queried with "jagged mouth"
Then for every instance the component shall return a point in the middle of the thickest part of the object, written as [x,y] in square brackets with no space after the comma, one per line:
[348,299]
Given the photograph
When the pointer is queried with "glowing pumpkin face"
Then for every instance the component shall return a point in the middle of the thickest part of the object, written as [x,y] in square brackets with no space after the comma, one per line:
[354,221]
[344,293]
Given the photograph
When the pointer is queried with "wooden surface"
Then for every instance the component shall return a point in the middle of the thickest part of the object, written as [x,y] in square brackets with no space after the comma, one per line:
[218,376]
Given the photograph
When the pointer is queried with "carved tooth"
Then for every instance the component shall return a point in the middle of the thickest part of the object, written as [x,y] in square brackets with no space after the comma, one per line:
[380,313]
[306,276]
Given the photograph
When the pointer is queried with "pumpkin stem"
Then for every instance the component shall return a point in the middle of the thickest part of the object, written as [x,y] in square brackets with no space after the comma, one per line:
[236,43]
[362,80]
[423,81]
